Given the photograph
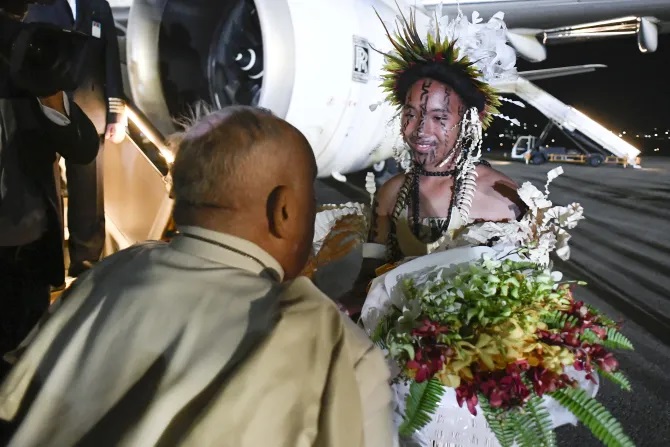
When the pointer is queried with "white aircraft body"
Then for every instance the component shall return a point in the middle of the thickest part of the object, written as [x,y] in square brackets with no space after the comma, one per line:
[311,62]
[319,69]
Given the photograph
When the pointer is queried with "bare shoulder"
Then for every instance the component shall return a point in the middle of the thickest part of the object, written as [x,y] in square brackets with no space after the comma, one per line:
[487,176]
[388,193]
[498,199]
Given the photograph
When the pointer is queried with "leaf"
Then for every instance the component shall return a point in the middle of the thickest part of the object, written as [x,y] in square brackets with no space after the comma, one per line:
[409,349]
[616,340]
[594,416]
[499,423]
[618,378]
[538,416]
[421,404]
[524,433]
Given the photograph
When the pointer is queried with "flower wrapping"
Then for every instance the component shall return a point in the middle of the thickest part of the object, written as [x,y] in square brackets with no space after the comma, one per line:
[500,330]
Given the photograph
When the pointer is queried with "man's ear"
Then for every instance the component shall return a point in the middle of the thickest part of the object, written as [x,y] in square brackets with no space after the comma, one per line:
[279,211]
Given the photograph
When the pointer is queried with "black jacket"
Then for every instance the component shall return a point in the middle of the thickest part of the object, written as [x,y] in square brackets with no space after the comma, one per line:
[103,80]
[38,141]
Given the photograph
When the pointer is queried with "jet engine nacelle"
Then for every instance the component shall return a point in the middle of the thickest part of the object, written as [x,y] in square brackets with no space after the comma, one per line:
[311,62]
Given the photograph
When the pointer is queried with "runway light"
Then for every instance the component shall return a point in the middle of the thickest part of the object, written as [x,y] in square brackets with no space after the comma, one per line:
[620,135]
[656,150]
[501,135]
[655,134]
[553,140]
[624,132]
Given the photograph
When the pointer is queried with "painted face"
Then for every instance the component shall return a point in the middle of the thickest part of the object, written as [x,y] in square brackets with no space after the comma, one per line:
[431,121]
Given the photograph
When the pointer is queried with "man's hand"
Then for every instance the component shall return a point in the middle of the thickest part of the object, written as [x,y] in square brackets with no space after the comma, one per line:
[116,132]
[55,101]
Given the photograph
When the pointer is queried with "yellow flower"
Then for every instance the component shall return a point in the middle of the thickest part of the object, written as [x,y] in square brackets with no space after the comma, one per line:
[551,357]
[450,380]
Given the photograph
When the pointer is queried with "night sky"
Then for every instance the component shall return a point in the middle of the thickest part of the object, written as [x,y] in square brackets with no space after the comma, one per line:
[631,94]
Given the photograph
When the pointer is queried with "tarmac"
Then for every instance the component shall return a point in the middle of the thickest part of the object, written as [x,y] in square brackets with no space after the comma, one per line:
[622,249]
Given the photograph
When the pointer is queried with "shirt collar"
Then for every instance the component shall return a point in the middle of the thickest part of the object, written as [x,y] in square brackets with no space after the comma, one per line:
[226,249]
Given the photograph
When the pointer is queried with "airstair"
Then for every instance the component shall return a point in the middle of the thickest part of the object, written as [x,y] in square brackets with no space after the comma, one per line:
[585,133]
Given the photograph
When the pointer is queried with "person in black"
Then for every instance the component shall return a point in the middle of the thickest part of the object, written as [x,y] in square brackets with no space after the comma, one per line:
[34,132]
[100,97]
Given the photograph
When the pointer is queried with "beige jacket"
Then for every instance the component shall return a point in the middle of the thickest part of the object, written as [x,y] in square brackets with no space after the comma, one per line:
[197,343]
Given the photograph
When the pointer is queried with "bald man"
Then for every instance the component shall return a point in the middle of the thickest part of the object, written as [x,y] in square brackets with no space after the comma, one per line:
[209,340]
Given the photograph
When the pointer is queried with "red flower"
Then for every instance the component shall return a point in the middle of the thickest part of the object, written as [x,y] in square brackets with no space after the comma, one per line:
[467,392]
[545,381]
[599,331]
[429,329]
[426,363]
[608,363]
[586,356]
[503,389]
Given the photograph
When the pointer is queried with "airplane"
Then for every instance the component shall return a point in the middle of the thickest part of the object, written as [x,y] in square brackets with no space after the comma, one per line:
[311,62]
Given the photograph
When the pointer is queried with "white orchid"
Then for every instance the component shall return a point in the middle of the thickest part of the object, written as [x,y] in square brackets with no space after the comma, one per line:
[541,231]
[485,44]
[533,197]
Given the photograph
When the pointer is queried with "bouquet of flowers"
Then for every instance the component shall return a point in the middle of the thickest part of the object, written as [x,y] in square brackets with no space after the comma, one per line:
[504,333]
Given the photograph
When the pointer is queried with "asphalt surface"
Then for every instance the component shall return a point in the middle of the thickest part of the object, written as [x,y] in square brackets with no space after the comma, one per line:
[622,249]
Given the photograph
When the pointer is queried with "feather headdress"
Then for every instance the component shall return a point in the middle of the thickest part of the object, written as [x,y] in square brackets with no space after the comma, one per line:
[467,56]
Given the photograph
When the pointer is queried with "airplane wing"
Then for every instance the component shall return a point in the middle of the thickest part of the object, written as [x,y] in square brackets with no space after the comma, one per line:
[533,24]
[530,43]
[546,73]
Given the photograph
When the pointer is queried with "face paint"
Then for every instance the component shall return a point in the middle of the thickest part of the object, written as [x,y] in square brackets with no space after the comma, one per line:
[430,120]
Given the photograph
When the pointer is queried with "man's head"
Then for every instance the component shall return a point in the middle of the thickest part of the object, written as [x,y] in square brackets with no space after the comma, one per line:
[245,172]
[431,117]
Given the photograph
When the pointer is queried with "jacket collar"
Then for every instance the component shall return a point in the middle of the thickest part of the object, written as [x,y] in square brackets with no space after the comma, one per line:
[226,249]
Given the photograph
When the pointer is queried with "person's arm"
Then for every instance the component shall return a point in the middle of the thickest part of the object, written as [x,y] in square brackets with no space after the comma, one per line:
[374,250]
[68,130]
[113,85]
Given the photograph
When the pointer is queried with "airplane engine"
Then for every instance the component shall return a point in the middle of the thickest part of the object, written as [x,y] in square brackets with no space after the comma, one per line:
[311,62]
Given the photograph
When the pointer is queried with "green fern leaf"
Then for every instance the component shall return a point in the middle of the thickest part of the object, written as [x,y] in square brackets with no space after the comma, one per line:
[618,378]
[594,416]
[602,318]
[589,336]
[540,419]
[616,340]
[559,319]
[524,430]
[420,405]
[499,423]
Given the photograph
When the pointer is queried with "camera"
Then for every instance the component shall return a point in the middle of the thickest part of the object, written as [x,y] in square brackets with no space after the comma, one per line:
[38,59]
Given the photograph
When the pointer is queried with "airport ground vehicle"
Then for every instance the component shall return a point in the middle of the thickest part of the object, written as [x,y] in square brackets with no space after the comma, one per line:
[591,142]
